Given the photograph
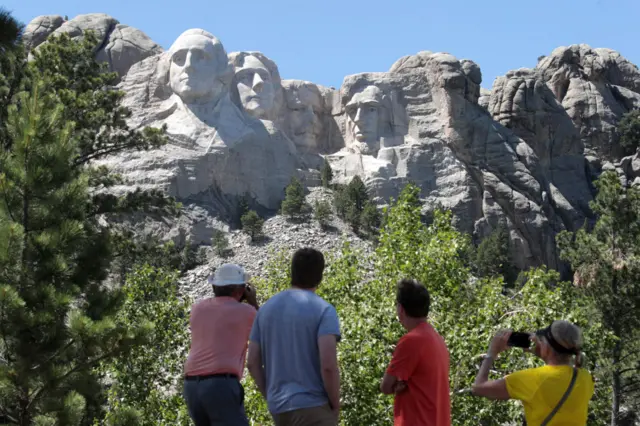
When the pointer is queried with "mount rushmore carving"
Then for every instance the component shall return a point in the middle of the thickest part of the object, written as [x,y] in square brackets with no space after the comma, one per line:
[522,155]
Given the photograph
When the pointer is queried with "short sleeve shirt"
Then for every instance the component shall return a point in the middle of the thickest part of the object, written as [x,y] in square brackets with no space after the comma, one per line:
[540,390]
[287,329]
[421,359]
[220,328]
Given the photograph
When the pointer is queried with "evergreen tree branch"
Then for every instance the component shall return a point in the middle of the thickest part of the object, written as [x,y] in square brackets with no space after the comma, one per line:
[86,365]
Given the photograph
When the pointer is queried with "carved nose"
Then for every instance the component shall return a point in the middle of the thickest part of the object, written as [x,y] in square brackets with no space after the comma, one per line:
[258,83]
[188,61]
[358,117]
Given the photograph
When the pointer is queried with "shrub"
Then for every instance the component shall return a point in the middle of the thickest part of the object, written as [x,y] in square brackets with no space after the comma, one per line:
[322,212]
[220,243]
[629,130]
[294,204]
[326,174]
[252,224]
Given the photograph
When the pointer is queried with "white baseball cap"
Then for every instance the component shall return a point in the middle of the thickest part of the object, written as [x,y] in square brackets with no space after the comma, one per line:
[228,274]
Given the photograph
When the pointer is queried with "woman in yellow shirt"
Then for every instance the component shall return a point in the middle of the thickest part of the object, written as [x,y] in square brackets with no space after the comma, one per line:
[542,389]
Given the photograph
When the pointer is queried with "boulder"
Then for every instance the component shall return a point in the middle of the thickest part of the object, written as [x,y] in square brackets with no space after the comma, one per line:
[41,27]
[596,87]
[119,45]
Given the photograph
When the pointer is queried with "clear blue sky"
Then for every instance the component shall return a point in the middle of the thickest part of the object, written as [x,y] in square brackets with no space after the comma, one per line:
[323,41]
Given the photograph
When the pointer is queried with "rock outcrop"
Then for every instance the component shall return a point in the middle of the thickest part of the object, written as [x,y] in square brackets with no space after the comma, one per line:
[521,155]
[119,45]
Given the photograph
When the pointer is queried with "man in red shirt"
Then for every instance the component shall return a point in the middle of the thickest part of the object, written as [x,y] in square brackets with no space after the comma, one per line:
[418,374]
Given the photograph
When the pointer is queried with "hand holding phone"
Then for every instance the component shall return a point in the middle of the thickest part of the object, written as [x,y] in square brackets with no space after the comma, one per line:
[519,340]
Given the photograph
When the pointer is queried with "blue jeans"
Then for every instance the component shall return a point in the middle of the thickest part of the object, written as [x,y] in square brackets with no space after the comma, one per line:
[215,401]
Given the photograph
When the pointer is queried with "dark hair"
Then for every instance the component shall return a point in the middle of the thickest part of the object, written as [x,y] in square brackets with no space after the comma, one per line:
[307,266]
[414,298]
[226,290]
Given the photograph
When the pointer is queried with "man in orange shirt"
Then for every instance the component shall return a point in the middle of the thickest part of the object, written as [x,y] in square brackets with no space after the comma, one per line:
[418,374]
[220,328]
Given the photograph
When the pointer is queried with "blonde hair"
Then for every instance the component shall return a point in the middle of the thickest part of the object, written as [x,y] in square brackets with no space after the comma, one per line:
[569,336]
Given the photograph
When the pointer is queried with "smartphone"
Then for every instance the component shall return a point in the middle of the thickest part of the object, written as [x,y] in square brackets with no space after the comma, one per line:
[520,340]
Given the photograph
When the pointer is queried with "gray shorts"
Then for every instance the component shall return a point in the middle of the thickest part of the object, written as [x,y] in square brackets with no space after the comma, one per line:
[315,416]
[215,401]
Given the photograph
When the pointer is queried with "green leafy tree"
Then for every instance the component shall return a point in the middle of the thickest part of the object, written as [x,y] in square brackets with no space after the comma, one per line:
[493,257]
[629,130]
[220,243]
[147,381]
[606,261]
[12,64]
[322,212]
[466,311]
[326,174]
[252,224]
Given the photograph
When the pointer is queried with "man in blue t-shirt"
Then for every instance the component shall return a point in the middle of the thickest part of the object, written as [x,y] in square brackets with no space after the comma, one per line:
[293,349]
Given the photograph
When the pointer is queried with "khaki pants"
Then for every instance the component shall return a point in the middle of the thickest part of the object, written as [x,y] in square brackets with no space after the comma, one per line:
[315,416]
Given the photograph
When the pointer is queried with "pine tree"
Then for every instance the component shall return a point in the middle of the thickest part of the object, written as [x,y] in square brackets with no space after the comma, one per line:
[606,261]
[56,316]
[294,204]
[326,174]
[371,218]
[493,257]
[10,30]
[629,130]
[220,243]
[322,212]
[252,224]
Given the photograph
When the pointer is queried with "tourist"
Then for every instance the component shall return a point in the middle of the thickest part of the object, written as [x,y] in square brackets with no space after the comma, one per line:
[220,328]
[557,393]
[418,373]
[293,349]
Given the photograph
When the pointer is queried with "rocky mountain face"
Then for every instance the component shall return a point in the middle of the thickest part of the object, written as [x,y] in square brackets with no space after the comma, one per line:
[522,155]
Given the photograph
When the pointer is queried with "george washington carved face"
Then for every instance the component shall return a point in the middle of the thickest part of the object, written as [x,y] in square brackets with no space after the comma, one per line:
[198,64]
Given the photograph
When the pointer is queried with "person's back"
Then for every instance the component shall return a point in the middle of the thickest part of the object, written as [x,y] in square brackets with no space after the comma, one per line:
[541,388]
[288,327]
[427,400]
[293,349]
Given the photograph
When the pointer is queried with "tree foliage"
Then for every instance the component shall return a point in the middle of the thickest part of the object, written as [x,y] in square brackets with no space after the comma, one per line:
[465,310]
[606,260]
[220,243]
[493,257]
[629,130]
[326,174]
[57,318]
[147,380]
[350,202]
[322,212]
[294,205]
[252,224]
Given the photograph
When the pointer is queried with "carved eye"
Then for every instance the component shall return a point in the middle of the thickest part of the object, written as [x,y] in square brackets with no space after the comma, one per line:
[372,109]
[179,57]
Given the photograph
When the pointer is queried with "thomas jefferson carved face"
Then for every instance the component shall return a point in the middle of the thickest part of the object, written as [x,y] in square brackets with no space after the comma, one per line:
[363,112]
[256,89]
[197,63]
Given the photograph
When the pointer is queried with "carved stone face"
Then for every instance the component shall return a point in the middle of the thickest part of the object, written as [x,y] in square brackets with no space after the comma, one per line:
[305,126]
[194,72]
[363,117]
[255,87]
